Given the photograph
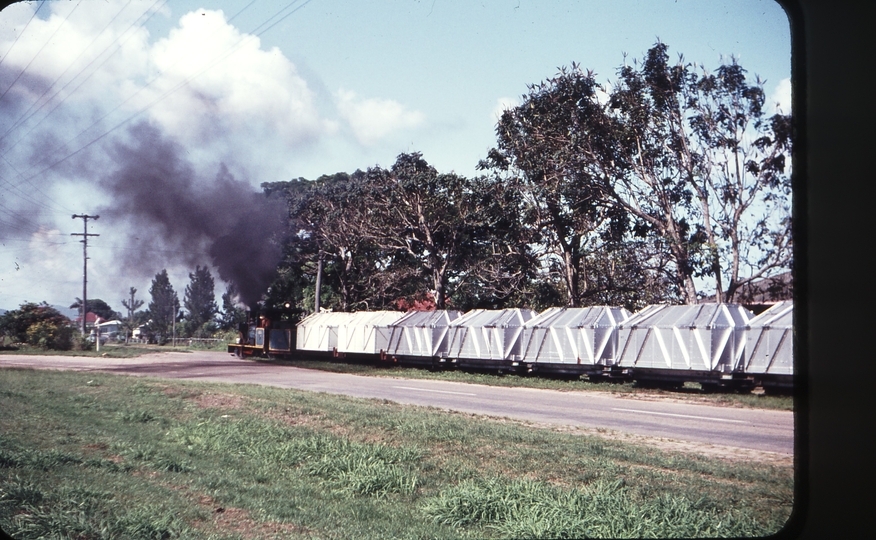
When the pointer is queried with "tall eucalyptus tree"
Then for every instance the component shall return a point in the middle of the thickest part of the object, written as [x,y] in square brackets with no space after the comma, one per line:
[689,162]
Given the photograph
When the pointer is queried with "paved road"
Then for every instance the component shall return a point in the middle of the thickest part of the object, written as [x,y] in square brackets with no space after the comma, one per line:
[753,429]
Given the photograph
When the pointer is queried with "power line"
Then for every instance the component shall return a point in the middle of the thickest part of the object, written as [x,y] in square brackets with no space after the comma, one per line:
[25,116]
[150,105]
[24,195]
[86,79]
[39,51]
[23,119]
[23,30]
[259,30]
[82,82]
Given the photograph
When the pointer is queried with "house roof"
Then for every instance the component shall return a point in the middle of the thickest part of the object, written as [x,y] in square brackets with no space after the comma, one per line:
[768,290]
[90,318]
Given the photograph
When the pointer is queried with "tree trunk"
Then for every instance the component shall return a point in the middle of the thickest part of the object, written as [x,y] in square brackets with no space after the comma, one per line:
[571,276]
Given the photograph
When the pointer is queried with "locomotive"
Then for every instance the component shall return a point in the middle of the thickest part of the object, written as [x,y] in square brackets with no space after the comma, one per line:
[267,333]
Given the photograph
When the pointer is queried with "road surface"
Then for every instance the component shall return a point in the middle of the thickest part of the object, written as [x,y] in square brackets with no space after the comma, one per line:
[749,429]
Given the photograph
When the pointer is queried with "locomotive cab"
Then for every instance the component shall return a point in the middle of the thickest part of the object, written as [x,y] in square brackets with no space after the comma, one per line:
[268,333]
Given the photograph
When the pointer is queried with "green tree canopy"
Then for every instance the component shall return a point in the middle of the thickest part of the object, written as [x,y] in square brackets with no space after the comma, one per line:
[98,307]
[685,166]
[546,147]
[199,299]
[231,314]
[407,235]
[164,307]
[15,324]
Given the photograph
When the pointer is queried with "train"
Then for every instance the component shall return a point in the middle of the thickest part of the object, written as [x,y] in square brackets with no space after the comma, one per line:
[723,347]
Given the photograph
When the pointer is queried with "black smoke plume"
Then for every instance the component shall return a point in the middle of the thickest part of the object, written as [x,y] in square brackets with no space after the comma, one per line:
[179,217]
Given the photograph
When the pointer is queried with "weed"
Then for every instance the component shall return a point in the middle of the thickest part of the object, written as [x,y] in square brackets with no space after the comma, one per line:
[533,509]
[139,416]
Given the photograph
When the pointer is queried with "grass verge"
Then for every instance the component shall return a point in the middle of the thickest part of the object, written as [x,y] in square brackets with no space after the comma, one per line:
[88,455]
[108,350]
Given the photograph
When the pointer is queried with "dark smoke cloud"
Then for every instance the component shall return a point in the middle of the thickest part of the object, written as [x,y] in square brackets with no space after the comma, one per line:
[178,217]
[36,154]
[20,201]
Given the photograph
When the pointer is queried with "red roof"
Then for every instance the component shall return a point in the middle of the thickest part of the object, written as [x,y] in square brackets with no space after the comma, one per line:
[90,318]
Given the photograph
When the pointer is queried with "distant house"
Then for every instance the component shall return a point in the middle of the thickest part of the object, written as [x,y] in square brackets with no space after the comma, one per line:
[108,330]
[772,289]
[90,320]
[763,292]
[111,329]
[140,334]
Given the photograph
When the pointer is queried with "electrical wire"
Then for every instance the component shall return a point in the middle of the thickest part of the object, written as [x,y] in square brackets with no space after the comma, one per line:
[258,31]
[129,33]
[23,30]
[3,95]
[27,115]
[17,187]
[228,52]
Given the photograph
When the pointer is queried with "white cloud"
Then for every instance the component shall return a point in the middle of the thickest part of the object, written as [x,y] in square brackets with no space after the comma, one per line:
[231,87]
[78,45]
[780,99]
[206,84]
[372,120]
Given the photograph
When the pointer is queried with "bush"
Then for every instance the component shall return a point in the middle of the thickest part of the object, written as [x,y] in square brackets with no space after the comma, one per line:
[81,343]
[16,323]
[48,335]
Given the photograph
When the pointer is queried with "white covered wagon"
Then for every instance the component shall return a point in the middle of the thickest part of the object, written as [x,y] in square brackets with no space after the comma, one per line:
[488,338]
[318,332]
[769,349]
[366,332]
[699,342]
[573,340]
[421,337]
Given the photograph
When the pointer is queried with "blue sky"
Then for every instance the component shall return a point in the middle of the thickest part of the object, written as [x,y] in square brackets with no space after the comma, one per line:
[330,86]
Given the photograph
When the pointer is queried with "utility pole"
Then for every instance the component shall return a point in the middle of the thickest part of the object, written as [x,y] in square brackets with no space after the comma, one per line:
[84,234]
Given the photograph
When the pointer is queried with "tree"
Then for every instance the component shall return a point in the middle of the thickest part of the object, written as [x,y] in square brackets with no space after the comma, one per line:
[132,305]
[744,189]
[47,323]
[546,146]
[687,162]
[701,147]
[294,278]
[405,236]
[199,299]
[164,307]
[443,230]
[98,307]
[338,210]
[500,267]
[326,218]
[231,315]
[420,216]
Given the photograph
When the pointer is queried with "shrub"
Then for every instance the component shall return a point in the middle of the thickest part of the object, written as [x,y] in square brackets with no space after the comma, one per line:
[81,343]
[48,335]
[16,323]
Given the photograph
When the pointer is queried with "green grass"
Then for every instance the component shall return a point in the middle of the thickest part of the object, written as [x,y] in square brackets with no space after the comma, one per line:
[89,455]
